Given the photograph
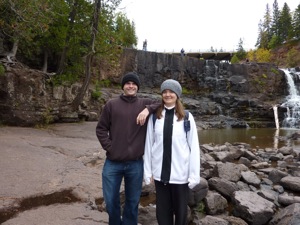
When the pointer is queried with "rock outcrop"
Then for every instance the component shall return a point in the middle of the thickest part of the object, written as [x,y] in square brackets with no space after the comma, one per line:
[218,93]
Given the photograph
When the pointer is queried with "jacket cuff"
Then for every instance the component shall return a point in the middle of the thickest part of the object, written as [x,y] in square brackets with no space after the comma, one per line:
[147,180]
[193,183]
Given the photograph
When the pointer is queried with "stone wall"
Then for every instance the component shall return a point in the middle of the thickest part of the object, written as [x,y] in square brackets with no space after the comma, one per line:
[243,93]
[246,92]
[204,75]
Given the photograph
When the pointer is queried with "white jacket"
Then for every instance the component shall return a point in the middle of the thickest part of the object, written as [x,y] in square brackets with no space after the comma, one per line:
[185,162]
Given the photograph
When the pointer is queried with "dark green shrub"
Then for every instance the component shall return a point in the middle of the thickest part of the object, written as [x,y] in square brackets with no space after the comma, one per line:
[2,70]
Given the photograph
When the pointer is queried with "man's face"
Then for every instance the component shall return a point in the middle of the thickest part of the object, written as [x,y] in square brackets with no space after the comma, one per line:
[130,88]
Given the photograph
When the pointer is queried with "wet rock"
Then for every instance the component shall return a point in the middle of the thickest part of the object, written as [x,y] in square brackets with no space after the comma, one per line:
[229,171]
[289,215]
[215,203]
[291,183]
[276,175]
[147,215]
[210,220]
[198,193]
[225,187]
[233,220]
[252,208]
[76,214]
[245,161]
[288,200]
[250,178]
[268,194]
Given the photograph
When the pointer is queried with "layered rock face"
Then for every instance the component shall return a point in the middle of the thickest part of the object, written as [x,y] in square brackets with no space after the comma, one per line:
[218,93]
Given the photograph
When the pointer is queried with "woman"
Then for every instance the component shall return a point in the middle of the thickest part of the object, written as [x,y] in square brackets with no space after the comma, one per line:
[172,156]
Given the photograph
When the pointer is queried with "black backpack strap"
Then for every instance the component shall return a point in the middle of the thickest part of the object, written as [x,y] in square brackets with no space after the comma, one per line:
[186,116]
[154,118]
[187,125]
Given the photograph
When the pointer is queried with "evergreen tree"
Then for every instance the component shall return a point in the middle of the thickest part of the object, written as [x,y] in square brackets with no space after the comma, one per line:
[77,33]
[22,20]
[296,23]
[264,30]
[112,34]
[267,24]
[273,42]
[58,32]
[275,24]
[125,31]
[285,29]
[260,34]
[240,52]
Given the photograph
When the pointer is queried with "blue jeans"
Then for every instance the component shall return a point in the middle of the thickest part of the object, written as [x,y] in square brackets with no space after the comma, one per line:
[112,175]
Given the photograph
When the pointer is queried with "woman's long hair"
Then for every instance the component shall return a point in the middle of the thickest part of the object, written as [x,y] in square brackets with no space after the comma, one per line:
[179,110]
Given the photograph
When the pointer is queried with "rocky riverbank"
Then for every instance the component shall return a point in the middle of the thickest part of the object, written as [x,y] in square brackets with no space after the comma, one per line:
[53,176]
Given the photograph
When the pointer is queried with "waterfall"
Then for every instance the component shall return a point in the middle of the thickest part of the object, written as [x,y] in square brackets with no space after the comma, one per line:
[211,69]
[292,104]
[276,116]
[276,140]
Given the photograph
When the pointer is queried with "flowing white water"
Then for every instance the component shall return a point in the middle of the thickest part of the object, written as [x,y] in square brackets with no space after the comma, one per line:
[276,140]
[292,118]
[276,116]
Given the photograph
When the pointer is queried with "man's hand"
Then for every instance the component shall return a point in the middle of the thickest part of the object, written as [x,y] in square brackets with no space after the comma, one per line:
[141,118]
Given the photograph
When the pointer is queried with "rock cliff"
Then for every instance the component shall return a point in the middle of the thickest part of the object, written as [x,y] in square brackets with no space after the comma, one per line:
[220,94]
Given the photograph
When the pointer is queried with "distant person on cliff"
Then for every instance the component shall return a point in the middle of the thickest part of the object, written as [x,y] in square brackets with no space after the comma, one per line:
[145,45]
[182,52]
[172,156]
[121,133]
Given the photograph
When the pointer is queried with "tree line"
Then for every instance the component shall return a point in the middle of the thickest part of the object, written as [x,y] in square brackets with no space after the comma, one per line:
[55,35]
[277,28]
[64,37]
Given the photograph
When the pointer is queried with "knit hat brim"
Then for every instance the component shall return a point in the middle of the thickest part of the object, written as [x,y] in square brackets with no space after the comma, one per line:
[172,85]
[131,77]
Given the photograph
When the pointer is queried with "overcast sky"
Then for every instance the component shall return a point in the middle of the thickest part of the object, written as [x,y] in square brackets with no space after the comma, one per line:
[198,25]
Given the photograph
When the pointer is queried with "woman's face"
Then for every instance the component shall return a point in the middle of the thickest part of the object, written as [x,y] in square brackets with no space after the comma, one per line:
[169,98]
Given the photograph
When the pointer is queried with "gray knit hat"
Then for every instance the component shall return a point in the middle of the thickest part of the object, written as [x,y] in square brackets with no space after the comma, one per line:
[172,85]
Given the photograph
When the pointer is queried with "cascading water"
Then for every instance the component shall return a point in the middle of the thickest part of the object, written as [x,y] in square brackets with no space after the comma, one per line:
[211,69]
[276,116]
[292,104]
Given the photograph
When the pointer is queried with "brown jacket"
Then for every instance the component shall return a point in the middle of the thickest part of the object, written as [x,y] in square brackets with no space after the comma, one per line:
[117,131]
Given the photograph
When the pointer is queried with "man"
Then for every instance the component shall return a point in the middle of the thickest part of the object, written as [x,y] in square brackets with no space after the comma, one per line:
[145,45]
[122,135]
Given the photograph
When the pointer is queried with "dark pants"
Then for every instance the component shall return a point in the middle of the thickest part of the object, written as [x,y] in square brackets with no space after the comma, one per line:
[171,199]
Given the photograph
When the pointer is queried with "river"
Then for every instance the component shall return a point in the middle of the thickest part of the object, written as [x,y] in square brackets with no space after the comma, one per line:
[266,137]
[257,138]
